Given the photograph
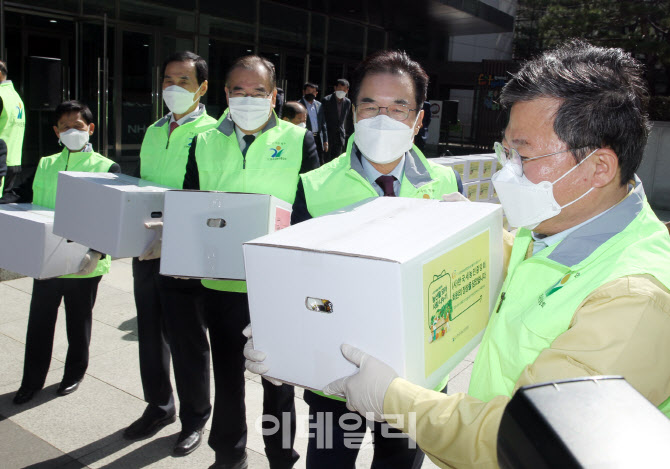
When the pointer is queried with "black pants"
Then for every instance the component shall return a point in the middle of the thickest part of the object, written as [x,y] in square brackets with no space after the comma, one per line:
[226,314]
[8,195]
[335,149]
[186,329]
[79,295]
[153,347]
[331,446]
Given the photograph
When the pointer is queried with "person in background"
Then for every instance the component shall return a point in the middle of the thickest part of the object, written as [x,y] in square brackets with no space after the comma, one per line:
[163,303]
[12,129]
[422,136]
[74,126]
[316,122]
[380,161]
[588,286]
[295,113]
[242,154]
[339,119]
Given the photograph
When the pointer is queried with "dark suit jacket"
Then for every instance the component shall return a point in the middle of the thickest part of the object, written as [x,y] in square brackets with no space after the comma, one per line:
[340,127]
[323,131]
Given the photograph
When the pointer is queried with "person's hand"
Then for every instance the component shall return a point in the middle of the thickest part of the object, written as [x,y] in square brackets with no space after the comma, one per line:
[455,197]
[325,146]
[255,358]
[89,262]
[154,249]
[364,390]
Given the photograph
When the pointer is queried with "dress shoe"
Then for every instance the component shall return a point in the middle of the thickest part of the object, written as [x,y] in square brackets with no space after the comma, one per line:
[241,464]
[67,387]
[147,425]
[23,395]
[187,442]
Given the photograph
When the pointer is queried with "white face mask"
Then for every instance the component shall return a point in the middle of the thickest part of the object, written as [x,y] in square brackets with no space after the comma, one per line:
[526,205]
[382,139]
[340,94]
[178,100]
[302,125]
[250,113]
[74,139]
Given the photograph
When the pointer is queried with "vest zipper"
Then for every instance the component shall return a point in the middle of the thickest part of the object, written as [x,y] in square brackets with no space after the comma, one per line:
[502,298]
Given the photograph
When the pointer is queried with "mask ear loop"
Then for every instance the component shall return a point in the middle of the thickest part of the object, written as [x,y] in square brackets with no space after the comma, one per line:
[572,169]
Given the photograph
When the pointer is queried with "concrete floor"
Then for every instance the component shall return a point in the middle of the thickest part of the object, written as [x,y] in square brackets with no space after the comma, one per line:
[85,428]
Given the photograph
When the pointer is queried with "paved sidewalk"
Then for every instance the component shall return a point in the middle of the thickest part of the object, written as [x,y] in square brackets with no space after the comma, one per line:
[85,428]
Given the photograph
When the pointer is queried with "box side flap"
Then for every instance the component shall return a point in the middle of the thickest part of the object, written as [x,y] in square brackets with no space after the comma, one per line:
[116,180]
[335,253]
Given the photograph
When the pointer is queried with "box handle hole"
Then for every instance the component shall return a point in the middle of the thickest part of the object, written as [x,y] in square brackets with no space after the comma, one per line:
[156,214]
[318,304]
[216,222]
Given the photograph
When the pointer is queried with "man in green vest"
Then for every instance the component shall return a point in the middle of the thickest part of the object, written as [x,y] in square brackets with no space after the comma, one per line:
[380,160]
[163,303]
[587,286]
[74,126]
[12,128]
[250,150]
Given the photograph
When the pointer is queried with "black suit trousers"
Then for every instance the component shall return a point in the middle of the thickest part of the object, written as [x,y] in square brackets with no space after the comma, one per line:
[154,351]
[227,314]
[79,295]
[336,434]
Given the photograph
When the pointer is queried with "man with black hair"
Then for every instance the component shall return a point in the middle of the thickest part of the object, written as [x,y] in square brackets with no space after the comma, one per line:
[316,121]
[587,290]
[295,113]
[164,303]
[250,150]
[339,119]
[74,126]
[12,128]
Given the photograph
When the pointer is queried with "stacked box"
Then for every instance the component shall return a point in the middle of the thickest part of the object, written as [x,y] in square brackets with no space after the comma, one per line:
[29,246]
[419,300]
[204,231]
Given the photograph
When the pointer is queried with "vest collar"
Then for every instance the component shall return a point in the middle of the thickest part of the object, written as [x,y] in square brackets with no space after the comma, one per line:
[227,126]
[415,171]
[581,243]
[192,117]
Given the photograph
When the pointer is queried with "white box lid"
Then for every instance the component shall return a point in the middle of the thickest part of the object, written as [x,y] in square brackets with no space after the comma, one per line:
[361,229]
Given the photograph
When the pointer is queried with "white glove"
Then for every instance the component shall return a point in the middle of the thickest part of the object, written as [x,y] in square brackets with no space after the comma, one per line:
[364,390]
[154,249]
[89,262]
[455,197]
[254,358]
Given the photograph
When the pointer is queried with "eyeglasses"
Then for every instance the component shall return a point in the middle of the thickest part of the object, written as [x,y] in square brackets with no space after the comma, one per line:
[398,112]
[506,156]
[244,94]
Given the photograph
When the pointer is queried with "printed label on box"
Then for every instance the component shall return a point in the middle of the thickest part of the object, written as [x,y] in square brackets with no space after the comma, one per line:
[483,191]
[488,169]
[472,192]
[282,218]
[459,168]
[474,170]
[456,292]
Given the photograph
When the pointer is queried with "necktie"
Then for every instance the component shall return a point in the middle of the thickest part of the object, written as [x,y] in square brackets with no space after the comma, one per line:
[386,183]
[248,139]
[173,125]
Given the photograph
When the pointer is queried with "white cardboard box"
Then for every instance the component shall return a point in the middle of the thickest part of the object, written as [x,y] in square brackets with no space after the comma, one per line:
[410,281]
[204,231]
[471,171]
[471,190]
[29,246]
[485,190]
[107,211]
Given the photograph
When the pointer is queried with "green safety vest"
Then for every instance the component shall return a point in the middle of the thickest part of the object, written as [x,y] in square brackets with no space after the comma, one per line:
[341,182]
[543,292]
[12,122]
[271,166]
[163,158]
[46,183]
